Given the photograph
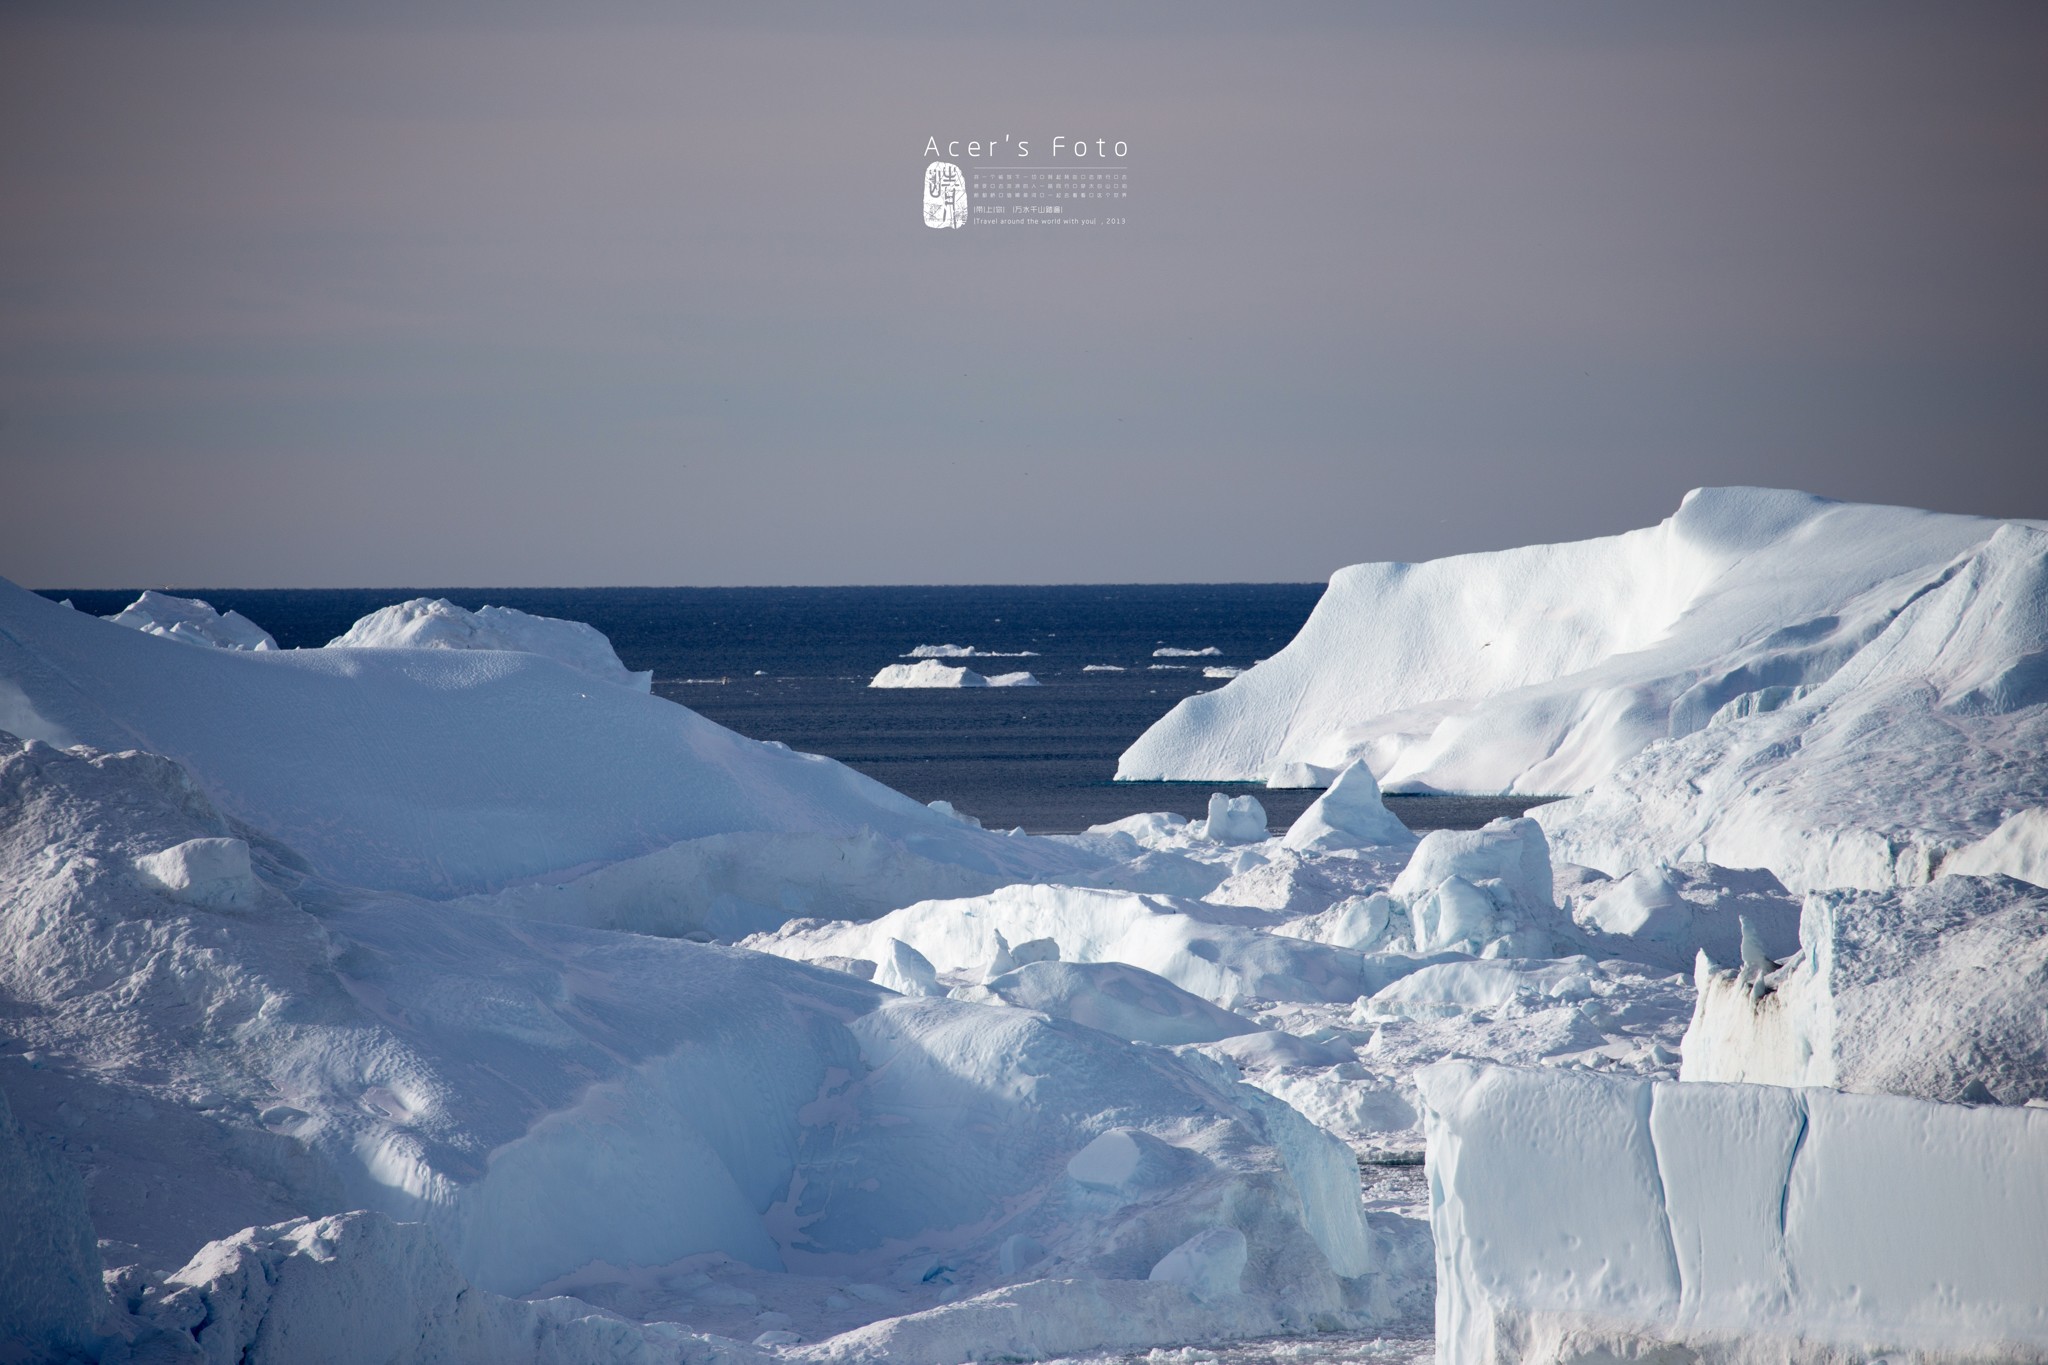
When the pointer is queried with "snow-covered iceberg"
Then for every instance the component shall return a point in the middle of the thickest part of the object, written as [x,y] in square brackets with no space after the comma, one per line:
[1542,669]
[1580,1218]
[193,621]
[1936,991]
[932,673]
[437,623]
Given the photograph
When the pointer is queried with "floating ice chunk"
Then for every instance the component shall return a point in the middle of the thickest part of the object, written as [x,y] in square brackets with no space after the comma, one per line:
[1274,1048]
[1235,820]
[1102,668]
[192,621]
[1484,890]
[437,623]
[211,872]
[1289,775]
[1354,922]
[932,673]
[1349,814]
[1169,652]
[1665,916]
[905,970]
[1222,671]
[1209,1265]
[1920,992]
[1128,1002]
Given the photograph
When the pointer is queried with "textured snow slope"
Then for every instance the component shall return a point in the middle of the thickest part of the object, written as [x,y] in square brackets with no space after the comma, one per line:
[1924,741]
[437,623]
[444,771]
[553,1101]
[1542,669]
[1580,1218]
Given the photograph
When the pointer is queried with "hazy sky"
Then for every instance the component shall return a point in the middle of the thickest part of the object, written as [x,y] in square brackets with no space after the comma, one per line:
[394,294]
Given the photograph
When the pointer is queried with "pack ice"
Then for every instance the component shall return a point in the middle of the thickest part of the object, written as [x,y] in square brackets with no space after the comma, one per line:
[679,1131]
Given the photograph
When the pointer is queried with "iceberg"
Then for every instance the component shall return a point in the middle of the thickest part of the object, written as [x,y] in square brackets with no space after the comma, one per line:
[452,772]
[1349,814]
[1935,991]
[932,673]
[1543,669]
[967,652]
[191,620]
[437,623]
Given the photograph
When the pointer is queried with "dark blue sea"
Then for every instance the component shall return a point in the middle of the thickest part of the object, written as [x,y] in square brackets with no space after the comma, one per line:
[793,664]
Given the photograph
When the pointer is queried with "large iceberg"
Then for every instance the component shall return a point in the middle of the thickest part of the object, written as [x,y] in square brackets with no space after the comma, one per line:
[1580,1218]
[437,623]
[1543,669]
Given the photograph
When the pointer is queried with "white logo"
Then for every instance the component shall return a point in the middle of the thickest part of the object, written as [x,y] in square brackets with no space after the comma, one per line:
[945,196]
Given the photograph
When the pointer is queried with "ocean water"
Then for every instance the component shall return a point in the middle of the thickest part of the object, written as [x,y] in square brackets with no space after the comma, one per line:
[792,664]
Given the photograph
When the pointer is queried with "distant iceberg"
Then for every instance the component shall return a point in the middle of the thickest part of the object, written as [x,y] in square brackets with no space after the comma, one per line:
[437,623]
[967,652]
[1169,652]
[932,673]
[192,621]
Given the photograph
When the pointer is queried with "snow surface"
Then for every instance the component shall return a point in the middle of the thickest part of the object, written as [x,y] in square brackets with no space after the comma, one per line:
[1583,1218]
[192,621]
[1937,991]
[437,623]
[932,673]
[1543,669]
[445,772]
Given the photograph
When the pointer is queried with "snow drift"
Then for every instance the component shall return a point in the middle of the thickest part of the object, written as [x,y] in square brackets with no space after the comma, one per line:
[1543,669]
[1581,1218]
[437,623]
[1936,991]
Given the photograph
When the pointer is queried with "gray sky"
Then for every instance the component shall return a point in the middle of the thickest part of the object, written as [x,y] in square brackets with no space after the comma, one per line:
[506,294]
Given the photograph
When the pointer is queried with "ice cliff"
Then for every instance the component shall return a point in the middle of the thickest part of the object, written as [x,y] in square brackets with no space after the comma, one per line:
[1580,1218]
